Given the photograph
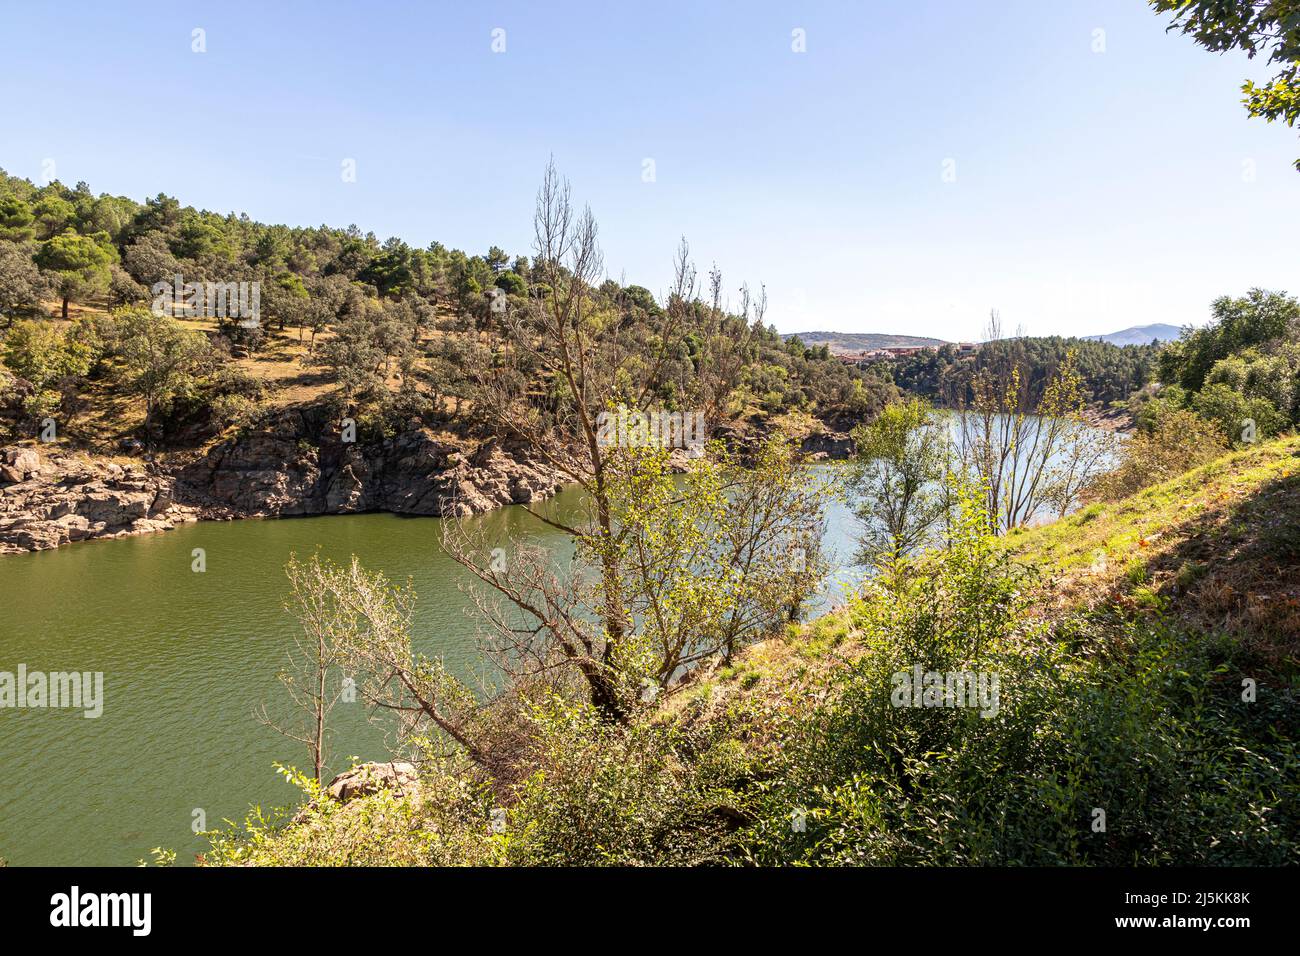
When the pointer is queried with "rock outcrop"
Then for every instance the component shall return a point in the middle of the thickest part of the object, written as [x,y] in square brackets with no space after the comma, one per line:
[363,780]
[51,499]
[277,472]
[818,443]
[295,463]
[367,778]
[821,446]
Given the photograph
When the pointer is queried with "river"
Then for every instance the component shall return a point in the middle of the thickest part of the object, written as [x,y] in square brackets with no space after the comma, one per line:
[187,657]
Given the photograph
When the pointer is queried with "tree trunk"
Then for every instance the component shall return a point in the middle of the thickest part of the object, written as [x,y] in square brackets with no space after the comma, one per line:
[605,698]
[65,308]
[318,741]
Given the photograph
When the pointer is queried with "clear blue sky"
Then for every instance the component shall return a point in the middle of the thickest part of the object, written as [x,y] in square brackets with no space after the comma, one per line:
[1093,190]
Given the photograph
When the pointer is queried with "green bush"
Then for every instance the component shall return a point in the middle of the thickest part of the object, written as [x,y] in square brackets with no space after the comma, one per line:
[1148,727]
[610,795]
[1240,418]
[1174,441]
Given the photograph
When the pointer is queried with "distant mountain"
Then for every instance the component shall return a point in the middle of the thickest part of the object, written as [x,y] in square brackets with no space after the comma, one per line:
[1140,335]
[842,343]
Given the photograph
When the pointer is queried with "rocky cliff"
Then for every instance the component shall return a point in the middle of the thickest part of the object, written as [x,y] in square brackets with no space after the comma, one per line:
[48,499]
[51,498]
[275,471]
[295,463]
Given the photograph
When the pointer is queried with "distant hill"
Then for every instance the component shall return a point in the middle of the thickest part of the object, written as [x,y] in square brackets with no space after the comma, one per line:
[1140,335]
[853,342]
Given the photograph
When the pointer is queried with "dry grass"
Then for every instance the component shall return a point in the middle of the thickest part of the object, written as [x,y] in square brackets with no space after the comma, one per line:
[1217,548]
[110,414]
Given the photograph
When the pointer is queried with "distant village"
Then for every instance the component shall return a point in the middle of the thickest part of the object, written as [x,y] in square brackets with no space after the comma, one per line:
[871,356]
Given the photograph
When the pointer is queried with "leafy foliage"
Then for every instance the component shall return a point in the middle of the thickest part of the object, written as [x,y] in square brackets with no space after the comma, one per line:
[1174,440]
[1240,371]
[1128,713]
[384,316]
[1271,27]
[900,462]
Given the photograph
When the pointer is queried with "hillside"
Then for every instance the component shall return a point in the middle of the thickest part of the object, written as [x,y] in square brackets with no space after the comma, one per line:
[847,342]
[1123,638]
[1140,335]
[1218,547]
[397,336]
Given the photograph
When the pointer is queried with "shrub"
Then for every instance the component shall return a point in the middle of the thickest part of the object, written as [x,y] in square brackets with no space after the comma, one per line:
[604,794]
[1136,750]
[446,824]
[1233,413]
[1177,441]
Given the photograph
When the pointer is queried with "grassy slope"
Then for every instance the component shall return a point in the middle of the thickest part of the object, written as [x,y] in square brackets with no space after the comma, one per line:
[111,413]
[1218,547]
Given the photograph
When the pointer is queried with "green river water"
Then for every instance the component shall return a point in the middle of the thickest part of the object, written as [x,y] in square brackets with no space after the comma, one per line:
[187,658]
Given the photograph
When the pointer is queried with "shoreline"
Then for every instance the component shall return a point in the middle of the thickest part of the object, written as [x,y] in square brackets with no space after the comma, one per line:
[52,498]
[57,497]
[294,467]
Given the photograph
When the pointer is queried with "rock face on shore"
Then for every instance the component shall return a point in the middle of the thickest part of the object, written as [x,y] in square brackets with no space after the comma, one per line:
[51,498]
[48,499]
[296,463]
[828,445]
[275,472]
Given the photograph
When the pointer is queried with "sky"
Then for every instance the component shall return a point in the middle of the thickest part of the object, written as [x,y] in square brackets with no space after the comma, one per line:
[879,167]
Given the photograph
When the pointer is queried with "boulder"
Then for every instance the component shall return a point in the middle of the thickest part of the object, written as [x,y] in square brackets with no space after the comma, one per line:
[75,527]
[369,778]
[18,463]
[824,445]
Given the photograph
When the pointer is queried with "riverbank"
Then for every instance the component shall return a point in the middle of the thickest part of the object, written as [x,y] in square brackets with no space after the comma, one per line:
[50,498]
[296,463]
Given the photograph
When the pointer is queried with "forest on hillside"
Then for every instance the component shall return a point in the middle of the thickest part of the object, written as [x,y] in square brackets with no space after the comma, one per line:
[388,330]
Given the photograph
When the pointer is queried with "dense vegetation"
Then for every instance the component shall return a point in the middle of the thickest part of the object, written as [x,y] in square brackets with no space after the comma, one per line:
[1241,372]
[393,331]
[1109,373]
[1139,659]
[656,700]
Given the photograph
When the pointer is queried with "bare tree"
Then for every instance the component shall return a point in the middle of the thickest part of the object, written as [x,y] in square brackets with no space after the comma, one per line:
[707,562]
[1028,454]
[311,676]
[565,344]
[355,621]
[570,363]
